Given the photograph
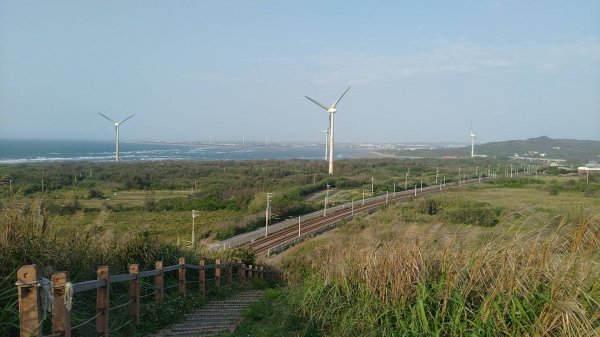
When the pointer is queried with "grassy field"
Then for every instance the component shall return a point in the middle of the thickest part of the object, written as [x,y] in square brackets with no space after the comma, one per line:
[159,196]
[422,269]
[138,212]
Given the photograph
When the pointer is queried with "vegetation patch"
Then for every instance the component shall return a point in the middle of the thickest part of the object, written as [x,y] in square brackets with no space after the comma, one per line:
[274,316]
[429,281]
[451,210]
[516,183]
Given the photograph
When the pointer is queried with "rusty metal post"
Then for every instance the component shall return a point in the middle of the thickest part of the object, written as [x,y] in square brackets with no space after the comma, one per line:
[218,273]
[102,302]
[182,280]
[134,293]
[159,286]
[202,279]
[29,309]
[61,318]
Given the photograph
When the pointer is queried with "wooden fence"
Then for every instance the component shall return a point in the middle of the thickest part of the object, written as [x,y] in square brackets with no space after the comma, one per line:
[36,294]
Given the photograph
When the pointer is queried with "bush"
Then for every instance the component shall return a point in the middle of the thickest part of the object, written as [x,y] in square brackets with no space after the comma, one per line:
[451,210]
[95,194]
[516,183]
[472,213]
[590,192]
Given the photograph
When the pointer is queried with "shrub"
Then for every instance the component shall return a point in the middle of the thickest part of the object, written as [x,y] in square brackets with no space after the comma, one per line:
[95,194]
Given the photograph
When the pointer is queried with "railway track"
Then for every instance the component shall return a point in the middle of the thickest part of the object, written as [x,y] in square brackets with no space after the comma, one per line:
[286,235]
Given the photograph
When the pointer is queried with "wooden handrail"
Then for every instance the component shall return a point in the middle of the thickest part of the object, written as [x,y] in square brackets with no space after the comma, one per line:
[30,311]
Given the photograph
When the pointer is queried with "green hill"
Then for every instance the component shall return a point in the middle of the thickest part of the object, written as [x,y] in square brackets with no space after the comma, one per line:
[572,150]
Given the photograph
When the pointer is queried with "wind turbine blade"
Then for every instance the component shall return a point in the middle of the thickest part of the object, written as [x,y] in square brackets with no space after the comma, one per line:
[339,99]
[317,103]
[123,121]
[106,117]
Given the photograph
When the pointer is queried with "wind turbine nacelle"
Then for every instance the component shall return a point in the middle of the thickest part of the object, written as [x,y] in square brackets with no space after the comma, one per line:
[331,110]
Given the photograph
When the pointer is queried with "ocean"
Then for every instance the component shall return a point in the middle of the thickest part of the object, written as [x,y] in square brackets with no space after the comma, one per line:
[14,151]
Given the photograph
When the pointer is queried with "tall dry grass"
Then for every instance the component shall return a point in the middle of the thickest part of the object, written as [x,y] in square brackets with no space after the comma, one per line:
[431,281]
[28,237]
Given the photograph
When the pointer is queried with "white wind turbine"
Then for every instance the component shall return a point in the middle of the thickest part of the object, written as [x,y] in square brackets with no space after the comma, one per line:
[472,143]
[117,132]
[331,110]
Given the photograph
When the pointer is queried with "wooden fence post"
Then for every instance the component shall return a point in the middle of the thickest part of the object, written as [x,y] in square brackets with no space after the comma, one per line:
[159,282]
[250,274]
[29,308]
[182,281]
[229,273]
[218,273]
[102,302]
[134,293]
[241,272]
[262,273]
[61,318]
[202,279]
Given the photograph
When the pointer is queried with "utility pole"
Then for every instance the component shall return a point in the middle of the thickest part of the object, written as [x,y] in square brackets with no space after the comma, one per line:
[363,196]
[371,186]
[511,170]
[394,189]
[415,190]
[406,181]
[268,213]
[421,185]
[194,215]
[437,172]
[326,199]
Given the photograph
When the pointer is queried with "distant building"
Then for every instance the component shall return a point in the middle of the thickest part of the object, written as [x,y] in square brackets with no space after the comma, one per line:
[589,168]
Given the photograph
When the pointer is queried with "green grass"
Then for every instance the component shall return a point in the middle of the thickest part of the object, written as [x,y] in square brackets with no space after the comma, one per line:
[28,236]
[85,233]
[273,317]
[405,272]
[168,226]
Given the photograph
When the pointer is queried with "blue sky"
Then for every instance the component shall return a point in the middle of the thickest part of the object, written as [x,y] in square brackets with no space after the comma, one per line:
[420,71]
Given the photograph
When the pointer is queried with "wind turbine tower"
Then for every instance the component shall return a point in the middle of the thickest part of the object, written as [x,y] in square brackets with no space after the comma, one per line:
[472,144]
[117,124]
[331,110]
[326,131]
